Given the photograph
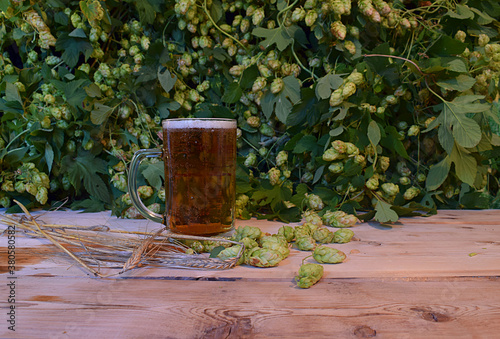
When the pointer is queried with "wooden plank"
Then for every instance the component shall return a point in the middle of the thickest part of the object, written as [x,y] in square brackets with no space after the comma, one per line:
[410,248]
[342,308]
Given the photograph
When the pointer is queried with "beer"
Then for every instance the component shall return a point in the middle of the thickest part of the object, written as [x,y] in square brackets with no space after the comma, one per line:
[200,183]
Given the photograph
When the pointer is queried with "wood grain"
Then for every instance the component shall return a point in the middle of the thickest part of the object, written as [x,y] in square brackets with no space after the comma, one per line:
[343,308]
[414,279]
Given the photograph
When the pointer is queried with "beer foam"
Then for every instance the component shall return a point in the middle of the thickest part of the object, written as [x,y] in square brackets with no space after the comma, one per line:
[199,123]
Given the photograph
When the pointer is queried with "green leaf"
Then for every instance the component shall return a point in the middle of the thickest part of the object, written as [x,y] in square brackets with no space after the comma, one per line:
[462,12]
[100,113]
[147,10]
[465,164]
[445,138]
[460,83]
[277,36]
[466,131]
[72,48]
[167,81]
[84,168]
[91,9]
[74,91]
[93,91]
[248,77]
[318,174]
[77,33]
[216,11]
[91,205]
[232,93]
[12,93]
[483,18]
[154,173]
[384,213]
[446,46]
[14,156]
[336,131]
[283,107]
[291,89]
[305,144]
[438,174]
[374,132]
[267,104]
[49,156]
[215,251]
[327,84]
[455,65]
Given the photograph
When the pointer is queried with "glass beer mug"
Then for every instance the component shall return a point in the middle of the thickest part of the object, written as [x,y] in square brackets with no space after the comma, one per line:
[200,180]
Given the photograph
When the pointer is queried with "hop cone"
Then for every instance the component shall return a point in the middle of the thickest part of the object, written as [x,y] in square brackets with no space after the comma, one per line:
[327,255]
[305,243]
[230,253]
[247,232]
[302,231]
[287,232]
[343,236]
[262,257]
[309,274]
[323,235]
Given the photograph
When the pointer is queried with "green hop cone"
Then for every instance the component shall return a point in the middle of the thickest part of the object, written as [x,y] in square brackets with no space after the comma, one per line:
[259,84]
[298,14]
[231,253]
[390,188]
[305,243]
[273,239]
[281,158]
[350,47]
[343,236]
[332,154]
[5,202]
[266,130]
[339,219]
[356,77]
[351,149]
[339,146]
[327,255]
[249,243]
[349,89]
[262,257]
[302,231]
[404,181]
[287,232]
[414,130]
[247,232]
[312,227]
[336,97]
[372,183]
[411,193]
[312,217]
[338,30]
[209,245]
[42,195]
[309,274]
[251,160]
[283,250]
[197,246]
[311,17]
[323,235]
[274,176]
[314,202]
[336,167]
[277,85]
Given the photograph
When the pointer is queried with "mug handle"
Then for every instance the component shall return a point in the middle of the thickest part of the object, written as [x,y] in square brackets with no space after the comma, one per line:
[132,183]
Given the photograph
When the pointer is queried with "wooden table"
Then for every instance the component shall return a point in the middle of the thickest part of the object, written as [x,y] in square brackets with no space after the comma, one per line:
[419,278]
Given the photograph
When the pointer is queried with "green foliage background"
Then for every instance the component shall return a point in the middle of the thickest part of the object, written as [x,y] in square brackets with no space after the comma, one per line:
[388,108]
